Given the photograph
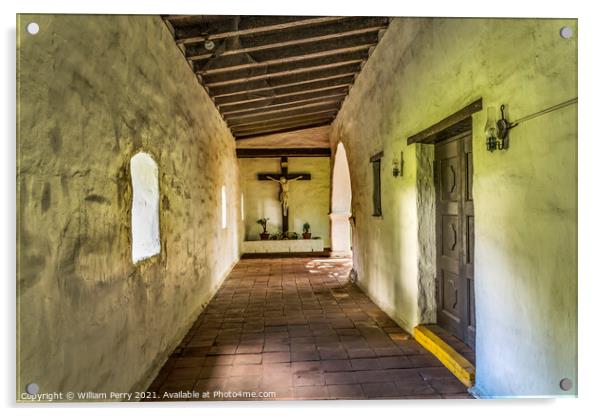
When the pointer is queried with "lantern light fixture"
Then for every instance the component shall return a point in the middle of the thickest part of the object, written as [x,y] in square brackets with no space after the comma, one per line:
[496,132]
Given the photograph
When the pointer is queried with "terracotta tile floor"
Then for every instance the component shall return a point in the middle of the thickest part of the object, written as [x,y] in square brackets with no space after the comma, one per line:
[300,329]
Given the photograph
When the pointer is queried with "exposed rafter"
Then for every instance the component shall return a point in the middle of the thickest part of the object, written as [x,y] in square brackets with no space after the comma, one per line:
[276,98]
[309,101]
[283,128]
[287,60]
[259,29]
[321,112]
[337,37]
[292,83]
[284,73]
[297,109]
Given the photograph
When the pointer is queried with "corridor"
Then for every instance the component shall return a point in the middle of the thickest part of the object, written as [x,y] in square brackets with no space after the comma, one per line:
[433,150]
[296,328]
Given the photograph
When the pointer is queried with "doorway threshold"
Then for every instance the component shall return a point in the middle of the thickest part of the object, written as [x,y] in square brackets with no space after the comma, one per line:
[458,357]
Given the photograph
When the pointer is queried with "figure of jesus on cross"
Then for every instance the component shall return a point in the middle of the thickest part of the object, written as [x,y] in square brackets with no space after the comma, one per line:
[284,185]
[284,179]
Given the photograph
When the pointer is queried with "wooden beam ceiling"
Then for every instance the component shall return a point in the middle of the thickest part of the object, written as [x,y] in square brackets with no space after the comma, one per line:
[285,70]
[223,29]
[199,53]
[283,101]
[229,107]
[298,112]
[275,125]
[273,73]
[289,80]
[286,58]
[294,87]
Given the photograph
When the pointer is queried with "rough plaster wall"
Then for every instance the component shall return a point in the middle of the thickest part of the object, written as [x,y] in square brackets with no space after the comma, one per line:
[525,198]
[427,250]
[308,200]
[93,91]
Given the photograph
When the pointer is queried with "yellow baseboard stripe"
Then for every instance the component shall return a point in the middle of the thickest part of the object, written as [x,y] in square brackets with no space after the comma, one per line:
[449,357]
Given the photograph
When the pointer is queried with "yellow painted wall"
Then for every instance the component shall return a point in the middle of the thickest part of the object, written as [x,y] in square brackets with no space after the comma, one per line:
[525,198]
[308,200]
[92,92]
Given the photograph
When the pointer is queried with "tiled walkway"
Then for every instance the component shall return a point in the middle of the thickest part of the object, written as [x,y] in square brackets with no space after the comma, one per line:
[299,329]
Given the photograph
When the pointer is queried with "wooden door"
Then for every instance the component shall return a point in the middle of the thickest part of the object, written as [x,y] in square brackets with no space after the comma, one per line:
[455,237]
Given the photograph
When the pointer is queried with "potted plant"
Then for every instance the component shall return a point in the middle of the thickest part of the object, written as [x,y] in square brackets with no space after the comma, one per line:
[306,231]
[264,223]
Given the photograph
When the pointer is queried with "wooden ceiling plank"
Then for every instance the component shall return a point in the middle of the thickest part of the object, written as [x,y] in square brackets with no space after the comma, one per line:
[283,120]
[284,73]
[361,54]
[285,104]
[251,134]
[293,85]
[275,127]
[276,97]
[288,43]
[223,46]
[285,110]
[268,128]
[292,59]
[286,118]
[260,29]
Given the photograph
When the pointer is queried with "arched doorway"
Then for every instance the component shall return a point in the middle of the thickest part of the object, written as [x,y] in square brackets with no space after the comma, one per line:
[341,204]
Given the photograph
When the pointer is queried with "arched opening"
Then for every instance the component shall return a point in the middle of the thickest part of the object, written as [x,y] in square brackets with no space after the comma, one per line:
[341,204]
[146,241]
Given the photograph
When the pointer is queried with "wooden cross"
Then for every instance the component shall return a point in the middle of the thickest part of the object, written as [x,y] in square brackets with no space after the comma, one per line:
[278,177]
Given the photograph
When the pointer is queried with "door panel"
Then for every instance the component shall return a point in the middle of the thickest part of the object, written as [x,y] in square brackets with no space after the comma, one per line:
[450,296]
[455,237]
[449,236]
[449,179]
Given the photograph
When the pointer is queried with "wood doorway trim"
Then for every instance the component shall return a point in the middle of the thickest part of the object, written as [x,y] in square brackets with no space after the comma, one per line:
[447,127]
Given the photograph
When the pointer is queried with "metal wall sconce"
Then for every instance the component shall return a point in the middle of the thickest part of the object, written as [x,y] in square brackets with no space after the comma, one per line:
[398,166]
[496,132]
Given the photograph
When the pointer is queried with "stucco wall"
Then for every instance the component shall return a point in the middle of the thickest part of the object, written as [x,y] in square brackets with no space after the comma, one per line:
[308,200]
[93,91]
[525,198]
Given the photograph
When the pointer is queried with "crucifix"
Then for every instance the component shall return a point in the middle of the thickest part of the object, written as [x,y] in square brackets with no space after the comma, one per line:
[284,179]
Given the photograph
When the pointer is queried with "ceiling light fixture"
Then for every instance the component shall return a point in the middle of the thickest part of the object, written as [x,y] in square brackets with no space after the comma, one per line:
[209,45]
